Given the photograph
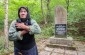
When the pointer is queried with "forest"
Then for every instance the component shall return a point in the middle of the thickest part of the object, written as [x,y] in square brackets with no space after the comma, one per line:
[43,12]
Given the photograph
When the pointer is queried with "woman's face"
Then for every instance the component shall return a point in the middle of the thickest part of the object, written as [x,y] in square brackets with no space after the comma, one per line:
[23,13]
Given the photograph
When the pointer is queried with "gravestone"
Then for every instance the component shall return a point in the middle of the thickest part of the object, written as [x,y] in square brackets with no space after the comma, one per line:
[60,22]
[60,37]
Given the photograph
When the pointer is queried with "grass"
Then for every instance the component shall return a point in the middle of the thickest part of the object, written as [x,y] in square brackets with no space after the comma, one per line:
[79,38]
[2,46]
[2,41]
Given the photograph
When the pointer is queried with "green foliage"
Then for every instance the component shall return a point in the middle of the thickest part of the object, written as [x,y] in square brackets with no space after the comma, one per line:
[48,30]
[80,38]
[76,13]
[76,17]
[1,15]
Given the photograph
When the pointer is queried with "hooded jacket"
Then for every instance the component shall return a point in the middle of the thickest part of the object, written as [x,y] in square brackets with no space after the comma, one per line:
[27,41]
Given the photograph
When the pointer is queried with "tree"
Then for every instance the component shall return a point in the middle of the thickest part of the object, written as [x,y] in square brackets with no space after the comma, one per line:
[67,3]
[43,12]
[48,10]
[6,27]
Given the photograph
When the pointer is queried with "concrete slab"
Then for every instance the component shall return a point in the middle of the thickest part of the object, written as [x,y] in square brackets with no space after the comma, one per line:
[61,41]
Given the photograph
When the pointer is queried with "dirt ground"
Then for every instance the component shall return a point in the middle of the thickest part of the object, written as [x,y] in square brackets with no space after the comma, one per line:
[44,50]
[41,44]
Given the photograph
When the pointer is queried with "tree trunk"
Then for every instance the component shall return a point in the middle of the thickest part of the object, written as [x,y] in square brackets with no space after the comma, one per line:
[48,10]
[6,27]
[43,12]
[67,4]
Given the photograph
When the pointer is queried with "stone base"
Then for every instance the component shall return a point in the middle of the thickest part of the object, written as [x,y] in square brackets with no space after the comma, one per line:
[64,42]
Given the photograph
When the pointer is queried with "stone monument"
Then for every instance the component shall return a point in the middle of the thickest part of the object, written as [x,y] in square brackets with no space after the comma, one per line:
[60,22]
[60,37]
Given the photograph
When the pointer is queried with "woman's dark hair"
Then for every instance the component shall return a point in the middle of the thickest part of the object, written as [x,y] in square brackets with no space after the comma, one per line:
[28,14]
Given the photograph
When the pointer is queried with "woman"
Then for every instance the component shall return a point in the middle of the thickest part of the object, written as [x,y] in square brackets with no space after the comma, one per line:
[22,32]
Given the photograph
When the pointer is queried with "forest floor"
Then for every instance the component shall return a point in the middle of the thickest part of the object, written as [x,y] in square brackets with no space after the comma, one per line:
[44,50]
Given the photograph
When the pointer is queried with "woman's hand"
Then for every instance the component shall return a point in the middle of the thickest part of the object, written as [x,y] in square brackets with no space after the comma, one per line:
[22,26]
[23,32]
